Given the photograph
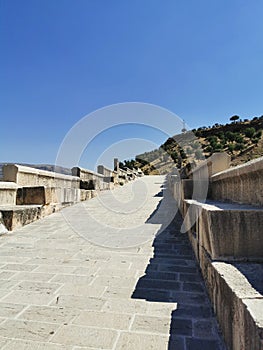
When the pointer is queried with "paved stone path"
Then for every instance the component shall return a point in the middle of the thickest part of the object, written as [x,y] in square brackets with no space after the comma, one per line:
[70,287]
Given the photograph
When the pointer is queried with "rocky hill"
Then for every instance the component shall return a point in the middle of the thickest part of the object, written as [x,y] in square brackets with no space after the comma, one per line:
[242,140]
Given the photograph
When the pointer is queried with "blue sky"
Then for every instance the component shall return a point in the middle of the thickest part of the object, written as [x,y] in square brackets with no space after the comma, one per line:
[61,60]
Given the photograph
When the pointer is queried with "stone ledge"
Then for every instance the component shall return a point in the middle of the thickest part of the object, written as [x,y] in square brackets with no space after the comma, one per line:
[8,185]
[212,165]
[226,231]
[85,174]
[237,301]
[26,176]
[15,216]
[239,183]
[243,169]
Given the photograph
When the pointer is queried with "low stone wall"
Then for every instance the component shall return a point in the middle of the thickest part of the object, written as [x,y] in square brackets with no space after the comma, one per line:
[237,303]
[212,165]
[26,176]
[27,194]
[225,231]
[110,176]
[89,180]
[42,195]
[241,184]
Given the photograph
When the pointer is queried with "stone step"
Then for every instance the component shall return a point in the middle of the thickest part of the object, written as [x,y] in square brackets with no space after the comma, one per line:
[16,216]
[236,290]
[226,231]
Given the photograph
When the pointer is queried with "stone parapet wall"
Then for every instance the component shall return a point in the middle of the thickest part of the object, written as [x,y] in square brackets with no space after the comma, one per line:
[27,193]
[236,301]
[110,176]
[212,165]
[27,176]
[225,231]
[236,296]
[41,195]
[90,180]
[241,184]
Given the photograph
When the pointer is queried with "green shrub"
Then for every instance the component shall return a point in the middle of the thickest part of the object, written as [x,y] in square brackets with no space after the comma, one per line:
[212,139]
[182,153]
[189,151]
[174,155]
[199,154]
[249,132]
[239,146]
[209,149]
[239,138]
[231,147]
[221,135]
[230,136]
[195,145]
[258,134]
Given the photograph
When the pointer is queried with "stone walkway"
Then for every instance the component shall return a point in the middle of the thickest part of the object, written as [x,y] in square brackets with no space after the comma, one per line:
[95,277]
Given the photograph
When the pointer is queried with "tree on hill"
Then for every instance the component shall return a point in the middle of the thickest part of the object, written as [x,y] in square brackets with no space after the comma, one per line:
[234,118]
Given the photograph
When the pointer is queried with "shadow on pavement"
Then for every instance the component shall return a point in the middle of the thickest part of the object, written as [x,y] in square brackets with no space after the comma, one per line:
[173,276]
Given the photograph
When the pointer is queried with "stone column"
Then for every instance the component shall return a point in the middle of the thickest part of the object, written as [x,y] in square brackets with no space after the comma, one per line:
[116,165]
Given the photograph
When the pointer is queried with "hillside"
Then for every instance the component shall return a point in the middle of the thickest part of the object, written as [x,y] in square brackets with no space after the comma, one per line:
[242,140]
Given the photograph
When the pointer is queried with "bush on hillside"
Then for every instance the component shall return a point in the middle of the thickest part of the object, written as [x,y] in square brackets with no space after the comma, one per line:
[249,132]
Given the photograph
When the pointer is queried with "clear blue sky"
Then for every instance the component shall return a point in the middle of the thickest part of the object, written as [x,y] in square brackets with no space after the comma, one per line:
[62,59]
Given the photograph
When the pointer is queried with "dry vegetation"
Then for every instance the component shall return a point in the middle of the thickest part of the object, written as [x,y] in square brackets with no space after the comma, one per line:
[242,140]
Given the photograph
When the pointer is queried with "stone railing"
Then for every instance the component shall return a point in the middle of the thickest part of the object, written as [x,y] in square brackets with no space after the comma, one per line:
[41,187]
[90,180]
[214,164]
[241,184]
[110,176]
[27,194]
[197,186]
[27,176]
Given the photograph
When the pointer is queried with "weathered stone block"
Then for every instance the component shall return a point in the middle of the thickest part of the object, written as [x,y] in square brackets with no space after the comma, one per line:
[27,176]
[226,231]
[238,306]
[241,184]
[8,193]
[34,195]
[18,216]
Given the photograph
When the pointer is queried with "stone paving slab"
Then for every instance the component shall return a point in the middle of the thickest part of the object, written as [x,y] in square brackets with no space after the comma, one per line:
[90,290]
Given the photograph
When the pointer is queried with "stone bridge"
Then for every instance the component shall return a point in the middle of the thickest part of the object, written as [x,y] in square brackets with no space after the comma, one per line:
[116,272]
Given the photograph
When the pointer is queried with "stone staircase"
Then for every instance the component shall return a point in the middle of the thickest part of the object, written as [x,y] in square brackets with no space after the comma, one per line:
[225,231]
